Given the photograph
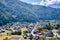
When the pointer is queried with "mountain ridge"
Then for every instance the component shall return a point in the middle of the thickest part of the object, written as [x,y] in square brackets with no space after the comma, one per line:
[15,10]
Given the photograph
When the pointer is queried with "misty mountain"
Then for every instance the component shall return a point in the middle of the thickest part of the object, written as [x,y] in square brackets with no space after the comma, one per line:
[15,10]
[55,5]
[51,3]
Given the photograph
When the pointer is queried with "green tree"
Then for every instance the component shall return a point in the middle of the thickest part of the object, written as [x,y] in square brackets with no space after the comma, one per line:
[16,32]
[58,32]
[25,32]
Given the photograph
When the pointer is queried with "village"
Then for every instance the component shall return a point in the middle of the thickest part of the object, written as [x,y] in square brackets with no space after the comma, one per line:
[42,30]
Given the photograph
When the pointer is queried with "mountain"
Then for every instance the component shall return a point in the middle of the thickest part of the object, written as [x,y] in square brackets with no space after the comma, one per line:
[55,5]
[51,3]
[15,10]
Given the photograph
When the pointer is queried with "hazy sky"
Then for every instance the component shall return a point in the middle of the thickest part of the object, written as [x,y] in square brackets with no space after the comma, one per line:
[42,2]
[32,1]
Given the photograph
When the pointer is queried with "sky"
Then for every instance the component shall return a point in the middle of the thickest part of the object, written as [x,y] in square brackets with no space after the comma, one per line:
[32,1]
[51,3]
[42,2]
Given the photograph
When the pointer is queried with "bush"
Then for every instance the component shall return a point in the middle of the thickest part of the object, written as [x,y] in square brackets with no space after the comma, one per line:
[42,38]
[58,32]
[6,38]
[40,29]
[58,38]
[25,33]
[16,32]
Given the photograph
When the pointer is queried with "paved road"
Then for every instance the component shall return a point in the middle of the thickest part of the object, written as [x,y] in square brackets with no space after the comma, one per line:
[34,29]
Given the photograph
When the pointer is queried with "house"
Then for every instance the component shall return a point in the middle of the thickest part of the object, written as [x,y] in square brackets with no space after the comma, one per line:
[40,33]
[55,32]
[48,34]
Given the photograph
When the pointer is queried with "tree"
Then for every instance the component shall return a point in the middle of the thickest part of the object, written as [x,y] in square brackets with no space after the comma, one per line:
[59,32]
[48,26]
[25,32]
[16,32]
[58,26]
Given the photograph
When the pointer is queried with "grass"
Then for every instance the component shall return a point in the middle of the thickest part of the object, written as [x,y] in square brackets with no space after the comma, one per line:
[42,38]
[3,37]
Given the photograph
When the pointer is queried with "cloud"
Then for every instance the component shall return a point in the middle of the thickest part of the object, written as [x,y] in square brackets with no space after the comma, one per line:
[42,2]
[34,3]
[49,2]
